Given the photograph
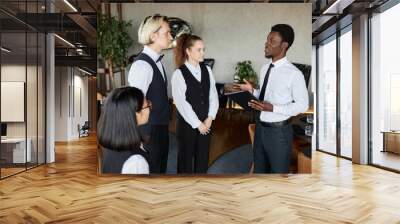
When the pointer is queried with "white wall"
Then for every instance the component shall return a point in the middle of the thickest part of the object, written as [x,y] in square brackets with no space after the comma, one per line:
[33,126]
[50,96]
[17,73]
[231,32]
[71,93]
[61,103]
[80,109]
[360,90]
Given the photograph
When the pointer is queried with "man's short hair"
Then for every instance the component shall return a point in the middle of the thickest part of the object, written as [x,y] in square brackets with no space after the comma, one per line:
[149,25]
[286,33]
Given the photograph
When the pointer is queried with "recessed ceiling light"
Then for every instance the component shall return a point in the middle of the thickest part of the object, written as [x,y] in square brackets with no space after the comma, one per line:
[70,5]
[5,50]
[84,71]
[337,7]
[64,40]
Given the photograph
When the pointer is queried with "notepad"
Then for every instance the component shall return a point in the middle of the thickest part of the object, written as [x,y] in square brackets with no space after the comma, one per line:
[242,98]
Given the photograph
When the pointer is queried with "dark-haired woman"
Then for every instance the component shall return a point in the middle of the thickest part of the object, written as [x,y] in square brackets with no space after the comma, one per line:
[124,110]
[196,99]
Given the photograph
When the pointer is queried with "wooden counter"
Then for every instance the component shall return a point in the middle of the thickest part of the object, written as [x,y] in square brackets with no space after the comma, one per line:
[230,131]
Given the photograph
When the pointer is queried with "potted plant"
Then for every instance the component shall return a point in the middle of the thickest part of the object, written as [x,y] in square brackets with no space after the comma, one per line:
[113,42]
[244,70]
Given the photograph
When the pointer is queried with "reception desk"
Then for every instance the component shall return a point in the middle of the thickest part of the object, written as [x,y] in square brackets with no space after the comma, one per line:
[230,131]
[13,150]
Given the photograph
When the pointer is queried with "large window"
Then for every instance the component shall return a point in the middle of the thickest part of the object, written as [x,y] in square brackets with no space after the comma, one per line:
[327,96]
[385,89]
[335,74]
[346,93]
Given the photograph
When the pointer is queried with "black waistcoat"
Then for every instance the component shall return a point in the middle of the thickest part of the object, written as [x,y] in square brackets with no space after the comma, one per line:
[197,93]
[157,93]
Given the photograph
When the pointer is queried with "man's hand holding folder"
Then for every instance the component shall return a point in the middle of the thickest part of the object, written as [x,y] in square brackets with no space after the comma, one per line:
[246,90]
[261,105]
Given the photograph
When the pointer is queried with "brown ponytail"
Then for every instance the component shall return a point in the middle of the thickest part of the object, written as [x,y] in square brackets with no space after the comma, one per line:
[183,42]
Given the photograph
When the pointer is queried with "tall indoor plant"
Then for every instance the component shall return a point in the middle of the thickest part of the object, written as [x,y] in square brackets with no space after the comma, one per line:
[113,42]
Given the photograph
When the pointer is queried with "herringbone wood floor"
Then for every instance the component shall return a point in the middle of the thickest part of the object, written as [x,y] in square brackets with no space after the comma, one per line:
[70,191]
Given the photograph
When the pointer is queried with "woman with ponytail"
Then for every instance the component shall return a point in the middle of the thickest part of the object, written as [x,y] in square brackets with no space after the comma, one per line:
[196,100]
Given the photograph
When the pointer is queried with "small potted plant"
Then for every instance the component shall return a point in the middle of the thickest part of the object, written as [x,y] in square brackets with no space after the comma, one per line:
[244,70]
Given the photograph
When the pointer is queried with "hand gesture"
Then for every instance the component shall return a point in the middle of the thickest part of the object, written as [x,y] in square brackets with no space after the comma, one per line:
[203,129]
[247,86]
[261,105]
[208,122]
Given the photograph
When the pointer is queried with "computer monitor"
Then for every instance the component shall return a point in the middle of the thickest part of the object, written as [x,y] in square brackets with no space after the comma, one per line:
[3,129]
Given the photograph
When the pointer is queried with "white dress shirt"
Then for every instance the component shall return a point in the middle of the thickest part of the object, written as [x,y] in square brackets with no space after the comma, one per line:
[136,164]
[179,95]
[141,73]
[286,90]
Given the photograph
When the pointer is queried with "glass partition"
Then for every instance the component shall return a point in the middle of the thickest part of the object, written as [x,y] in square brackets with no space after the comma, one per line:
[14,153]
[22,77]
[327,96]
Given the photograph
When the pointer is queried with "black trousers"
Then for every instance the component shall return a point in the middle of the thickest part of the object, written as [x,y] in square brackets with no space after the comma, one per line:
[193,148]
[158,148]
[272,149]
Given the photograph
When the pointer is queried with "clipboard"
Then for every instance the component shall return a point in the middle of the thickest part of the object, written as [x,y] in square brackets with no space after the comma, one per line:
[242,98]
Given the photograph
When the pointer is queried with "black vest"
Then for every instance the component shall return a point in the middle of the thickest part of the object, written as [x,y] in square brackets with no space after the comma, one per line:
[197,93]
[157,93]
[114,160]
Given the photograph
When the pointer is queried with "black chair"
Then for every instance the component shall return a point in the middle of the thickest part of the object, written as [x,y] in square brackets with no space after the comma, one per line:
[84,130]
[306,70]
[131,58]
[209,62]
[301,122]
[223,99]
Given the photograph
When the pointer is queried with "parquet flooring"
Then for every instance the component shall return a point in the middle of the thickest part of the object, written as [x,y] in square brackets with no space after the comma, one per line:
[70,191]
[10,171]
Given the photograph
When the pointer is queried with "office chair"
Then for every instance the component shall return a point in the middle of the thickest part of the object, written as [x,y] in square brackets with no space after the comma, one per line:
[84,130]
[209,62]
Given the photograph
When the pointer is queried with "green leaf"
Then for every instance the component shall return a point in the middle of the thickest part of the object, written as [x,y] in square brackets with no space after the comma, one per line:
[113,39]
[244,70]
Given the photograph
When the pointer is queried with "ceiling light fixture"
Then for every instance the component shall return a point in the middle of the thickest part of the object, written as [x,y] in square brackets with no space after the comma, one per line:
[84,71]
[337,7]
[5,50]
[70,5]
[65,41]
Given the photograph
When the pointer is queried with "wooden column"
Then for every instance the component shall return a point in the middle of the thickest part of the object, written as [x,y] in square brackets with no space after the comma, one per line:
[92,100]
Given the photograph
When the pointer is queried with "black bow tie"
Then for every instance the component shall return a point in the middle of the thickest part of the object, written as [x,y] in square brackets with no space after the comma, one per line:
[159,58]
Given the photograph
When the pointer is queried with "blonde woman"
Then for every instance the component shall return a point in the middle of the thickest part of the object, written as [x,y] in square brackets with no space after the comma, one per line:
[147,73]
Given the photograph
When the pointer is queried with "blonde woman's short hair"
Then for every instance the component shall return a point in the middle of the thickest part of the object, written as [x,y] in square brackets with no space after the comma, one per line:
[149,25]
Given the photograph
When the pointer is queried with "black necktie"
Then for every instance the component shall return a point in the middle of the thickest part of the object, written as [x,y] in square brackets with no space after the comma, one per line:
[264,86]
[159,58]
